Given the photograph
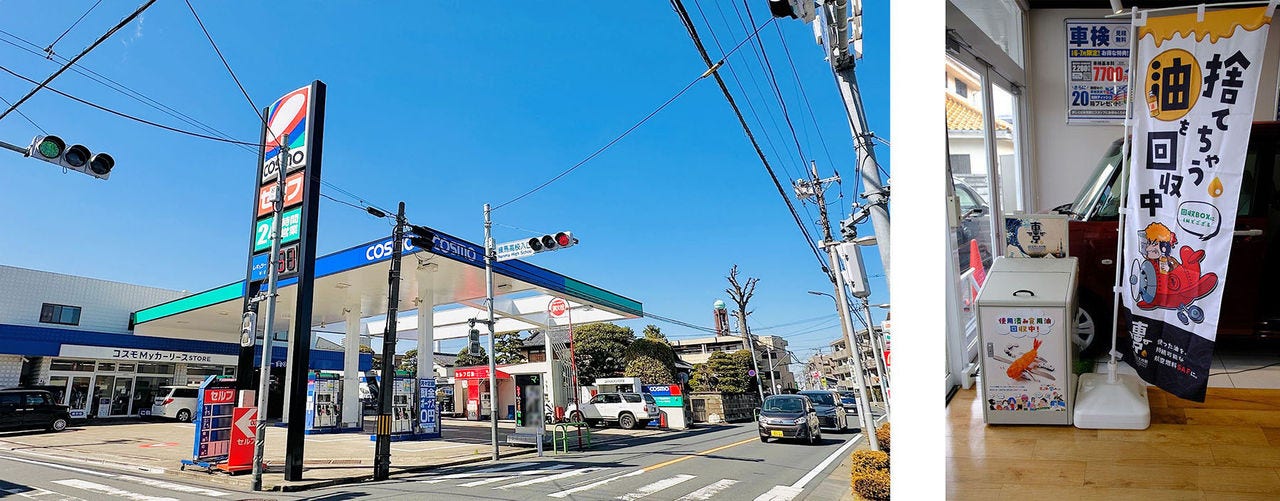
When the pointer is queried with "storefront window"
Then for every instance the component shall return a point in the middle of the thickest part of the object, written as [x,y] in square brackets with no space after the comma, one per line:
[62,364]
[966,151]
[155,368]
[106,366]
[1005,105]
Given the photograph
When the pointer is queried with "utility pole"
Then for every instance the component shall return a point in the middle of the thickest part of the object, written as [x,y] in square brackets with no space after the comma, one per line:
[382,448]
[836,40]
[489,256]
[773,383]
[264,372]
[877,344]
[815,188]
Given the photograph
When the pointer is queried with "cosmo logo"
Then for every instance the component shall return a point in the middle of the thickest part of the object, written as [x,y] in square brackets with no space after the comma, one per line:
[288,120]
[384,250]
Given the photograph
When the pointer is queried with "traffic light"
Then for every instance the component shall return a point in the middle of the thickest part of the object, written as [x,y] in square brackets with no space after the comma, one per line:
[76,157]
[796,9]
[421,237]
[473,339]
[552,242]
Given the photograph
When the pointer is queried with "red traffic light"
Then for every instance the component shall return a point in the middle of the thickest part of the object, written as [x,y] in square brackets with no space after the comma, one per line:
[563,239]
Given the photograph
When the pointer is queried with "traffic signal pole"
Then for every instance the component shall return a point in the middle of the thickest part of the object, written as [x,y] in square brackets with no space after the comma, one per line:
[493,369]
[264,374]
[382,448]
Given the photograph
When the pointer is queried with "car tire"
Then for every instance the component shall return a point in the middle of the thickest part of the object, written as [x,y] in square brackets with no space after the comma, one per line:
[184,415]
[627,421]
[1086,336]
[576,416]
[58,424]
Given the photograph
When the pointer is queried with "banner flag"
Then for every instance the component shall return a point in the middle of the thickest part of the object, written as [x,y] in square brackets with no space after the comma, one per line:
[1198,80]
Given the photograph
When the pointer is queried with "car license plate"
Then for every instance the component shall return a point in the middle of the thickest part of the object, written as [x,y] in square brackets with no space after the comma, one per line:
[775,433]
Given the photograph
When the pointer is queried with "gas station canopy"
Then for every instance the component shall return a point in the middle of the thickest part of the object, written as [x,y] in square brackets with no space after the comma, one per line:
[450,276]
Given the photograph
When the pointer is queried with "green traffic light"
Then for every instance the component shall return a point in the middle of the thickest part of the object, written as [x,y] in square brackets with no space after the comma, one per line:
[50,147]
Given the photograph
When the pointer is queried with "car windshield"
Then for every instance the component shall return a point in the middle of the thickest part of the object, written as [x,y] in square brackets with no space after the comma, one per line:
[783,405]
[1099,188]
[820,398]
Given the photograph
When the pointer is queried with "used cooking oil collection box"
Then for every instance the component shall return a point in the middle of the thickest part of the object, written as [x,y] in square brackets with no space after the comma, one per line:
[1026,316]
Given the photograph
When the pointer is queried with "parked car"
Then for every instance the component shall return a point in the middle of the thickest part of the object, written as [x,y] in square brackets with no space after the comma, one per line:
[830,413]
[1247,309]
[626,409]
[28,409]
[789,416]
[975,224]
[177,402]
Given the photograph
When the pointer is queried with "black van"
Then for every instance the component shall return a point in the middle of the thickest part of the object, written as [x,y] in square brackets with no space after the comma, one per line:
[27,409]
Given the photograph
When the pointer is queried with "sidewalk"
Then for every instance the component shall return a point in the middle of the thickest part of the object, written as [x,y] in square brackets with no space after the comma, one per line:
[331,459]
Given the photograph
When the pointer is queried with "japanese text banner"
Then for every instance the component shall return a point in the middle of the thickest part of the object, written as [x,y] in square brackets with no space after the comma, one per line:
[1196,82]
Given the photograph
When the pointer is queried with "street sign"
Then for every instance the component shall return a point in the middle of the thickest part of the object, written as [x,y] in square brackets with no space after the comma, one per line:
[514,249]
[558,307]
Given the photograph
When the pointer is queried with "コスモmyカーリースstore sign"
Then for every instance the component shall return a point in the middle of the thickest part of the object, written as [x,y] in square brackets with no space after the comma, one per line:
[1193,106]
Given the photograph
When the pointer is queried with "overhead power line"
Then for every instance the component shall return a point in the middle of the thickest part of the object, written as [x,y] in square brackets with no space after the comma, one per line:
[49,50]
[693,34]
[710,71]
[103,38]
[126,115]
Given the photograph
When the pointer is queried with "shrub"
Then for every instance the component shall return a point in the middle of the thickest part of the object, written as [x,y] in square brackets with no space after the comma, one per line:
[882,436]
[872,486]
[867,461]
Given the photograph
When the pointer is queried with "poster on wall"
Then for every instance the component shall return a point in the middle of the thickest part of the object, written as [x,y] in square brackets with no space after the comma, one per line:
[1097,70]
[1019,343]
[1190,135]
[1035,235]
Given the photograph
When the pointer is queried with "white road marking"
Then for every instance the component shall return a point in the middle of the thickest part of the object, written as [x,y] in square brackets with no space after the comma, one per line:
[452,476]
[780,493]
[172,486]
[705,493]
[656,486]
[551,478]
[58,466]
[36,492]
[414,449]
[592,485]
[787,493]
[109,490]
[509,477]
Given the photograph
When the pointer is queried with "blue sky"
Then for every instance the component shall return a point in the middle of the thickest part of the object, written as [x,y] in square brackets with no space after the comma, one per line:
[447,108]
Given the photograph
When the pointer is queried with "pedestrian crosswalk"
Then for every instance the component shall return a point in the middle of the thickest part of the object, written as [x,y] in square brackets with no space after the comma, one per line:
[534,480]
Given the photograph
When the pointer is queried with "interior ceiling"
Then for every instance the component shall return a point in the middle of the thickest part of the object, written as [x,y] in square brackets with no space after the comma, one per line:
[452,282]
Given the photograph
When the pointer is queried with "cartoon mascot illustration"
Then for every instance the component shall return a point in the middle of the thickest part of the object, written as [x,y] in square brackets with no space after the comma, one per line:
[1160,280]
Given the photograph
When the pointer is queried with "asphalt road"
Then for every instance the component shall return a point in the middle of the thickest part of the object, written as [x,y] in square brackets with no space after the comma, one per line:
[724,462]
[24,477]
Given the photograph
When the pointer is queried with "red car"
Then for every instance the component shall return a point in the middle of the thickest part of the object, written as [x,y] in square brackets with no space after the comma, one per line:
[1247,308]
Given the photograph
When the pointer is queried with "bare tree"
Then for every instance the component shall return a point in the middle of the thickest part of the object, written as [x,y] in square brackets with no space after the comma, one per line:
[741,294]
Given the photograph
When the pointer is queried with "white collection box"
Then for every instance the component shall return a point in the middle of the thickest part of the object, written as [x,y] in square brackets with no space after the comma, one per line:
[1026,314]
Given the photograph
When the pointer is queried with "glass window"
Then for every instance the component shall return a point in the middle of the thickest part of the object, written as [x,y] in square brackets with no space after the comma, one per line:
[126,367]
[960,164]
[36,399]
[62,364]
[631,398]
[10,398]
[184,393]
[155,368]
[1005,106]
[59,314]
[106,366]
[649,398]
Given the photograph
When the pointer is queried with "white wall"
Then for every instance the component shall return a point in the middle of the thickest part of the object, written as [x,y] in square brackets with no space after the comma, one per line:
[104,306]
[10,370]
[1066,154]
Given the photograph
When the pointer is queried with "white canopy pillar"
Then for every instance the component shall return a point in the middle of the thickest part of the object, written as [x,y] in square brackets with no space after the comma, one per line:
[426,322]
[351,409]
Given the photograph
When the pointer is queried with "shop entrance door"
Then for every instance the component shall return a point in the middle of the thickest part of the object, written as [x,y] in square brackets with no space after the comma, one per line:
[122,396]
[74,393]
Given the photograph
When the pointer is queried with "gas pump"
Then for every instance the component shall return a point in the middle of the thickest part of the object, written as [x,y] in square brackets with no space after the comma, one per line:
[324,403]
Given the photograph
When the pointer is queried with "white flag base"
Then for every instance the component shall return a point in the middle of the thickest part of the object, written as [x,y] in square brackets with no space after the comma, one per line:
[1120,404]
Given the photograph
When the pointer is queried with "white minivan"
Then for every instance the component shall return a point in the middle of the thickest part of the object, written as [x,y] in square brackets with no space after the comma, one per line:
[177,402]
